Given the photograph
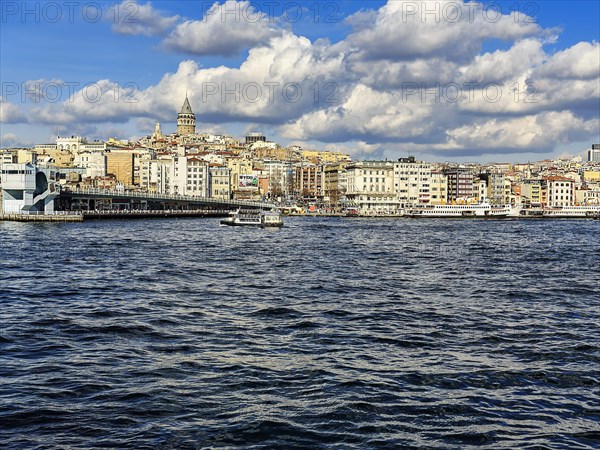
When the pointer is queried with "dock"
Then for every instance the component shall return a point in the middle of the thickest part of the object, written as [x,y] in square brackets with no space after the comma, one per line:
[41,217]
[80,216]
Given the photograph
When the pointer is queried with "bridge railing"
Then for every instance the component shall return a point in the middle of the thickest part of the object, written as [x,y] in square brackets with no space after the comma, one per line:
[173,197]
[131,212]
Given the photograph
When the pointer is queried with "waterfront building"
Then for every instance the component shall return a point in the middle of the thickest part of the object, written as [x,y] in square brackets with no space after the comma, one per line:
[460,184]
[495,188]
[27,189]
[334,189]
[309,181]
[560,191]
[480,190]
[370,187]
[438,188]
[186,119]
[412,182]
[531,192]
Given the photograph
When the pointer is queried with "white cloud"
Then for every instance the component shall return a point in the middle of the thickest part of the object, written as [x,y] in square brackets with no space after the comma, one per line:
[505,65]
[131,18]
[11,113]
[581,61]
[226,29]
[365,113]
[531,132]
[448,29]
[8,139]
[371,109]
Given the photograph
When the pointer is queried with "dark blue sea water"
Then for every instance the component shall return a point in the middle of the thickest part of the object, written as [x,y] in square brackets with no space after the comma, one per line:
[334,333]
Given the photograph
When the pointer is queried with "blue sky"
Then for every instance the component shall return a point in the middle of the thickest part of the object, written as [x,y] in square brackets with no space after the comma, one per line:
[373,55]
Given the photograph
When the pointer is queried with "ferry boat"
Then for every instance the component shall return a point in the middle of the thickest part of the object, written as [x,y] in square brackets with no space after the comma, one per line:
[253,218]
[481,210]
[572,212]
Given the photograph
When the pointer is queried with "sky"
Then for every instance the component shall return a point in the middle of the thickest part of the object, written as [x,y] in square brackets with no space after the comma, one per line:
[441,80]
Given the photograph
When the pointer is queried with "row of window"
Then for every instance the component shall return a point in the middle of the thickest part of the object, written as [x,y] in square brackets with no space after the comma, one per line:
[17,172]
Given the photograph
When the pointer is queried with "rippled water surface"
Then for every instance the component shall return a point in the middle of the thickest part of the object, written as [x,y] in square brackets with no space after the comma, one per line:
[327,333]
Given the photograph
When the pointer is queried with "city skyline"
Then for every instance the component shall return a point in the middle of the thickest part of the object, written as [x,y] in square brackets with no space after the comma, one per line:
[523,86]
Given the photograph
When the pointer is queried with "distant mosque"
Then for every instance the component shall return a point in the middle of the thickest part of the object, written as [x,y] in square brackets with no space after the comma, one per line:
[186,119]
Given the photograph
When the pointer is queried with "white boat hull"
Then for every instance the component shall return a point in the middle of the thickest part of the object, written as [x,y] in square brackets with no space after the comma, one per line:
[464,212]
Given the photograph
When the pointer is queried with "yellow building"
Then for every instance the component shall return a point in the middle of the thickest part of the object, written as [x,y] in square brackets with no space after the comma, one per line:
[25,156]
[591,175]
[279,154]
[438,188]
[334,186]
[120,163]
[61,158]
[238,166]
[316,156]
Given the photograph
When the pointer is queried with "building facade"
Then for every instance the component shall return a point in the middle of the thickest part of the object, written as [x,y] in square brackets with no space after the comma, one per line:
[560,191]
[460,184]
[27,189]
[370,187]
[412,182]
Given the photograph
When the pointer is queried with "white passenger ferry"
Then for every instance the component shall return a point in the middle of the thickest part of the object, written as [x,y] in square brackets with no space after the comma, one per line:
[572,212]
[481,210]
[253,218]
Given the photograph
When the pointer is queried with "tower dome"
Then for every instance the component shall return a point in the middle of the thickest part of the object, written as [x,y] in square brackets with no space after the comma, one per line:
[186,119]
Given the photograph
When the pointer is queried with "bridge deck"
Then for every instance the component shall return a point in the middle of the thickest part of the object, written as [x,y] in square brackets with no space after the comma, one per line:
[117,194]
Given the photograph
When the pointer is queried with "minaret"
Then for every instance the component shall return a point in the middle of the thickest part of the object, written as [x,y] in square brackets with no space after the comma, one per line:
[186,119]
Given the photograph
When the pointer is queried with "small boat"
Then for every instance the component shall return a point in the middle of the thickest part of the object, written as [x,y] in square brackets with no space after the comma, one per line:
[253,218]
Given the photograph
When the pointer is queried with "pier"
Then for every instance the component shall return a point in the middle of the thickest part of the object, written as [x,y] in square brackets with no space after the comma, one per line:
[41,217]
[77,205]
[80,216]
[110,200]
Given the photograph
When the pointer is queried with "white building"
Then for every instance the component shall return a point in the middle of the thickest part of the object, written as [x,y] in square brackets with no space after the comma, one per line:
[561,191]
[370,187]
[8,157]
[594,153]
[412,182]
[76,144]
[93,162]
[278,174]
[27,190]
[197,177]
